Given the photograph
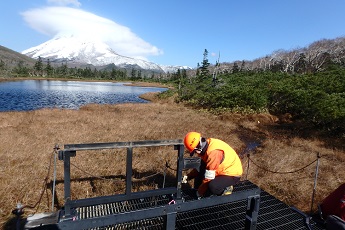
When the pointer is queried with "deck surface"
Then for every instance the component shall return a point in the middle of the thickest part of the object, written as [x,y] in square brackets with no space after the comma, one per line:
[273,214]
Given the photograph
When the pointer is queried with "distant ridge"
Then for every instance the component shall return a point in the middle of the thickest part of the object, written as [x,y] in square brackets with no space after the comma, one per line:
[12,58]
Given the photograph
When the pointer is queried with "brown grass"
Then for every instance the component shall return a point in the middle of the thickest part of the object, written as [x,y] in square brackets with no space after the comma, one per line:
[27,140]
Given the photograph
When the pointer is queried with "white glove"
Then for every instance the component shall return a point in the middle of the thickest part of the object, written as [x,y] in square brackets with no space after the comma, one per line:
[184,179]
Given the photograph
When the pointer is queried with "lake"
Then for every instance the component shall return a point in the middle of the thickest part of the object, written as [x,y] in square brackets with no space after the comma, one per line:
[37,94]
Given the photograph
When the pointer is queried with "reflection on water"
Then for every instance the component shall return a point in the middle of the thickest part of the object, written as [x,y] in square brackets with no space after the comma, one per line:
[36,94]
[250,147]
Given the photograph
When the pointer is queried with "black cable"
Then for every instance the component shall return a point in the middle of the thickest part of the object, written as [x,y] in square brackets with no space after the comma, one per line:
[168,166]
[43,188]
[102,178]
[280,172]
[45,182]
[98,177]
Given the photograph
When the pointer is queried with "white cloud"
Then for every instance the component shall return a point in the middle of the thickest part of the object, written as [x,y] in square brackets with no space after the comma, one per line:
[65,2]
[56,21]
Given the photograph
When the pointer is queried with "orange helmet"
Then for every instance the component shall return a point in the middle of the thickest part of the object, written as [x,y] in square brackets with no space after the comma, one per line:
[192,140]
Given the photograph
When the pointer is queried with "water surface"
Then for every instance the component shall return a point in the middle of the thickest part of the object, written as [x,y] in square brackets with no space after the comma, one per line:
[37,94]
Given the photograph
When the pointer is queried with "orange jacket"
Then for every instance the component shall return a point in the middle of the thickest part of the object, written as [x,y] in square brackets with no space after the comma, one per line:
[221,158]
[230,164]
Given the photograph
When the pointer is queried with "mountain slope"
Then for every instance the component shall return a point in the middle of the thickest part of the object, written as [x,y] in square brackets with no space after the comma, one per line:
[80,50]
[12,58]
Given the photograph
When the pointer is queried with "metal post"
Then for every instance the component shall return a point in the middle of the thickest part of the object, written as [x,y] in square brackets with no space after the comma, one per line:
[180,163]
[170,221]
[252,212]
[129,170]
[54,179]
[315,181]
[247,166]
[67,182]
[164,174]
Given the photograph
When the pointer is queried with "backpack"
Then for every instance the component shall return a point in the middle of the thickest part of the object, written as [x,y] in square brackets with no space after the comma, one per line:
[334,223]
[334,203]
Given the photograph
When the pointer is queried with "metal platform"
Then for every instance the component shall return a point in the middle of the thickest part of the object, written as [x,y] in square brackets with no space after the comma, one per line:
[227,212]
[248,207]
[273,214]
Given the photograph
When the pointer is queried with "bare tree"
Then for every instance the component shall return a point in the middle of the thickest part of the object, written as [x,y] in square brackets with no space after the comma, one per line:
[309,59]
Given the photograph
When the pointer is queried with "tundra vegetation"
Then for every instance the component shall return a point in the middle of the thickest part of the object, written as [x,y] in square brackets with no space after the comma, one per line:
[291,105]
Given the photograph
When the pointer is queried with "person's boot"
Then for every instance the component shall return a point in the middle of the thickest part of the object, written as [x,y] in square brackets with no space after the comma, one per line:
[228,190]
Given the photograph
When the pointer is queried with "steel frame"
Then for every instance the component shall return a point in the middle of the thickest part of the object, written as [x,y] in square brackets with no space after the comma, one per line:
[169,212]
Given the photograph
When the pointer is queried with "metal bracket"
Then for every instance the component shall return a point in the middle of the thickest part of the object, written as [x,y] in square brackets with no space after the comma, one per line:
[63,153]
[192,162]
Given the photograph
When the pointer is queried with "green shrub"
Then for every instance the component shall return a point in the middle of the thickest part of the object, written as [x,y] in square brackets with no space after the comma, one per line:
[317,99]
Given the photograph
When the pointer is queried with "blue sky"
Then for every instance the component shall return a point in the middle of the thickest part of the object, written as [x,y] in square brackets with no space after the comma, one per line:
[176,32]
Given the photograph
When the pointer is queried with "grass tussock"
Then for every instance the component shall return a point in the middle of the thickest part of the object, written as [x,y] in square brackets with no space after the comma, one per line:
[28,138]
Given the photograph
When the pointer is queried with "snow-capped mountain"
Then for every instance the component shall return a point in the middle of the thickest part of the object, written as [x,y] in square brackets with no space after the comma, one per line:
[77,50]
[172,68]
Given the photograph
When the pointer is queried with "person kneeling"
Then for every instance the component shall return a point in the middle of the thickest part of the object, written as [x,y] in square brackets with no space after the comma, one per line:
[220,168]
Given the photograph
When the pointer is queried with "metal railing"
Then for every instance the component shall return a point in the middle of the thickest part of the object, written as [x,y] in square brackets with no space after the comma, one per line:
[70,150]
[162,209]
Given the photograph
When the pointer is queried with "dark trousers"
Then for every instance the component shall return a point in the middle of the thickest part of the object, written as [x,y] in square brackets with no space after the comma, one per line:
[217,185]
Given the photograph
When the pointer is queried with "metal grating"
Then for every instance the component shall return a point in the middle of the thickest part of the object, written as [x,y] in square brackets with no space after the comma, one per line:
[273,214]
[121,207]
[126,206]
[152,224]
[227,216]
